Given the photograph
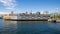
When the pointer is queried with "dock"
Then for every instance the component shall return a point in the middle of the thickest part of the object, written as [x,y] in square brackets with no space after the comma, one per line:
[54,20]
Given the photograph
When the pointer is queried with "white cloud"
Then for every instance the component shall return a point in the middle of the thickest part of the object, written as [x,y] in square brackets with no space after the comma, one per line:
[3,12]
[9,4]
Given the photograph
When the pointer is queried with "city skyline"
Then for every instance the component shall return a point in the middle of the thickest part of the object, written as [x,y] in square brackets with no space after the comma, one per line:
[19,6]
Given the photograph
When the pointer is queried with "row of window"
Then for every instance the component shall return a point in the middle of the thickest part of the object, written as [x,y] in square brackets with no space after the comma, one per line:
[34,17]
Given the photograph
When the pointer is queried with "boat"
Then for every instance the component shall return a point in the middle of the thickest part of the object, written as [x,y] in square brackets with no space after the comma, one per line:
[27,17]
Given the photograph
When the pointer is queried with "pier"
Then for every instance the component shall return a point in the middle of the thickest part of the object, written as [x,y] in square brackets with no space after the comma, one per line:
[54,20]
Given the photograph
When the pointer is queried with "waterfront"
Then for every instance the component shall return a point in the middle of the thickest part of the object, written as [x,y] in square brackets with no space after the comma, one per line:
[29,27]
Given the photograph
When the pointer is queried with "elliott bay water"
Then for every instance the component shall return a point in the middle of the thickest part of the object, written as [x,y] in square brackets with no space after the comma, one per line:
[29,27]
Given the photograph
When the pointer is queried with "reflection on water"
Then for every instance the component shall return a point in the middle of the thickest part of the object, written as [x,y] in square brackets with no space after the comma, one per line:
[9,27]
[29,27]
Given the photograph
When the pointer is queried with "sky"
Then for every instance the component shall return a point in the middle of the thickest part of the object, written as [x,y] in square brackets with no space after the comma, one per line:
[19,6]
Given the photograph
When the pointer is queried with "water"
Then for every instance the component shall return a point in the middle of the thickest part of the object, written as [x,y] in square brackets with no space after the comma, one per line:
[29,27]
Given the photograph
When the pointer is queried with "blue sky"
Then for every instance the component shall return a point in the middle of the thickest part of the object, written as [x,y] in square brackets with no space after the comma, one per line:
[34,5]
